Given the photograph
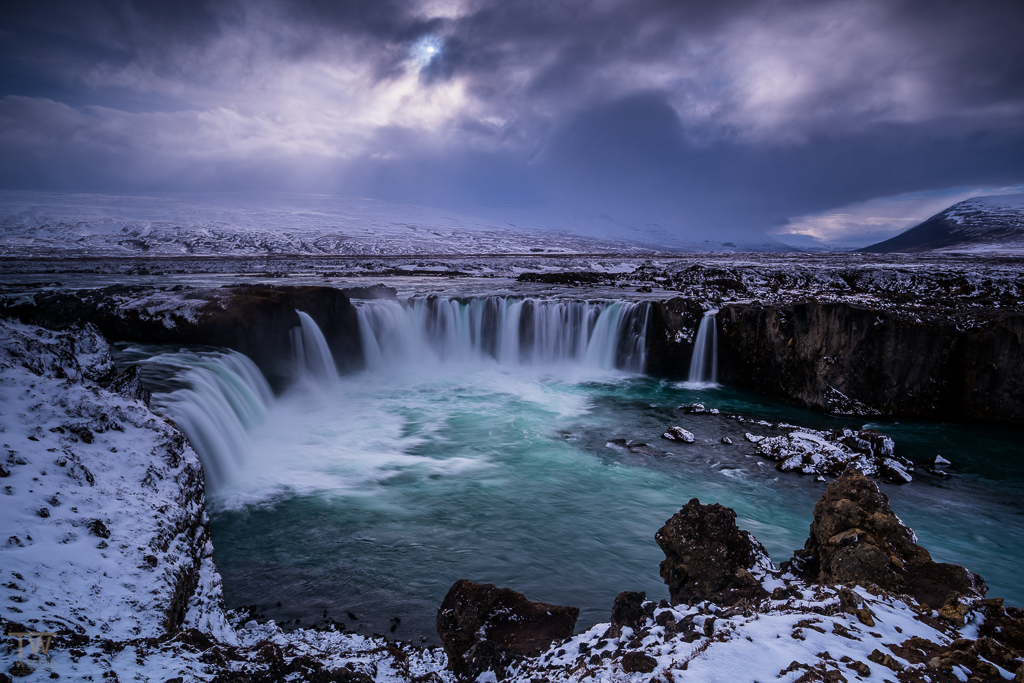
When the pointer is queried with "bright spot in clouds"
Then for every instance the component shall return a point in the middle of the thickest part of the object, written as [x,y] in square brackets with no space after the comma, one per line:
[425,50]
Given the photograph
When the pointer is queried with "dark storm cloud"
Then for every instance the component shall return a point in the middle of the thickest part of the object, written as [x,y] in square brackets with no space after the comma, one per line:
[715,114]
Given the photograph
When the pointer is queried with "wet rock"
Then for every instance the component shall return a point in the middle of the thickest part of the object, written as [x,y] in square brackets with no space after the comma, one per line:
[852,359]
[638,662]
[628,610]
[486,628]
[697,409]
[707,557]
[856,539]
[673,327]
[678,434]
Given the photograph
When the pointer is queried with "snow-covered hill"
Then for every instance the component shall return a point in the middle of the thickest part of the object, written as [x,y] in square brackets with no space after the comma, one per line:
[104,225]
[992,224]
[42,224]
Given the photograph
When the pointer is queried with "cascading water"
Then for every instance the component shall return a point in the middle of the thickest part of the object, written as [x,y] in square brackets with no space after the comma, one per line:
[313,356]
[704,363]
[392,485]
[214,397]
[512,331]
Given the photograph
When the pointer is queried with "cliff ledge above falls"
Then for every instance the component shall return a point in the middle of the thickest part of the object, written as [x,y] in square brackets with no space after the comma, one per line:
[846,358]
[253,319]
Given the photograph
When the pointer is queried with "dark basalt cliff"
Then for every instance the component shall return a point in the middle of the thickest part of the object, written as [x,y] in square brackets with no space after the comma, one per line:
[255,320]
[672,326]
[845,358]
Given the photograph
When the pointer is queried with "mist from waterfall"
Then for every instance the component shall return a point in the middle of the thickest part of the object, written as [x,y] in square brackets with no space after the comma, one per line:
[217,398]
[704,362]
[509,330]
[495,438]
[313,359]
[214,397]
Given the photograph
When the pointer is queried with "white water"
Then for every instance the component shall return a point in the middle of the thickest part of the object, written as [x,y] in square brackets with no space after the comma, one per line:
[216,399]
[219,398]
[313,358]
[704,363]
[508,330]
[375,492]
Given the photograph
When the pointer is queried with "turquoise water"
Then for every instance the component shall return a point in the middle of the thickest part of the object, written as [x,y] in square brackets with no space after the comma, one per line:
[366,498]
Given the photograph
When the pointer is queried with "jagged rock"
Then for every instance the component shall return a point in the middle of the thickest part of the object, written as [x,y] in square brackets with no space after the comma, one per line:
[812,451]
[885,659]
[856,539]
[707,557]
[697,409]
[678,434]
[627,611]
[486,628]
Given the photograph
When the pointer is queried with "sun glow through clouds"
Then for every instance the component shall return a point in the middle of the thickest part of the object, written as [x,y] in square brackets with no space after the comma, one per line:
[425,50]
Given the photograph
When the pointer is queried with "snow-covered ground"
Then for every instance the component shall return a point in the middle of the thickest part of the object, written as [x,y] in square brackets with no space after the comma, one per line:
[102,225]
[101,497]
[244,224]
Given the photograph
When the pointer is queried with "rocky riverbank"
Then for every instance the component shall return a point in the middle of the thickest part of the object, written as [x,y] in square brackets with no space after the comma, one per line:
[860,601]
[108,547]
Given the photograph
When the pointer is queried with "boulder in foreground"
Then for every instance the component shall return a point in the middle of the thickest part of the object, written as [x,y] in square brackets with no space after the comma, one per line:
[483,627]
[707,557]
[857,539]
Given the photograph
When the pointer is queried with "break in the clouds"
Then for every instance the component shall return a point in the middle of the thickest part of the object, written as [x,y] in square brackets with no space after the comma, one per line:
[734,115]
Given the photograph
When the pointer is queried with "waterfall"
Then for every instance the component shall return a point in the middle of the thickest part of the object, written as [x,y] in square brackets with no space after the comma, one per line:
[509,330]
[312,354]
[215,398]
[704,363]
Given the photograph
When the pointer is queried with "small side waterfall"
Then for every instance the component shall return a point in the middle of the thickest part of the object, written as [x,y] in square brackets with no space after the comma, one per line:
[312,354]
[215,398]
[704,363]
[509,330]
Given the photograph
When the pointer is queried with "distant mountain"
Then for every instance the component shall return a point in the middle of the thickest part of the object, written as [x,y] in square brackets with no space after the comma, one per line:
[979,224]
[50,224]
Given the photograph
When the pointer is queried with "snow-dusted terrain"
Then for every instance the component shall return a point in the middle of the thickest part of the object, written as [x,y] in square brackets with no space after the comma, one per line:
[37,224]
[86,467]
[103,225]
[985,225]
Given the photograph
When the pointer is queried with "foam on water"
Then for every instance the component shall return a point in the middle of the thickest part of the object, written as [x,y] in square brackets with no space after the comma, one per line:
[456,458]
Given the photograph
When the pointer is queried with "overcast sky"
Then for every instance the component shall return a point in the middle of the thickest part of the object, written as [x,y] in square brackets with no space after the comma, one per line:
[844,121]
